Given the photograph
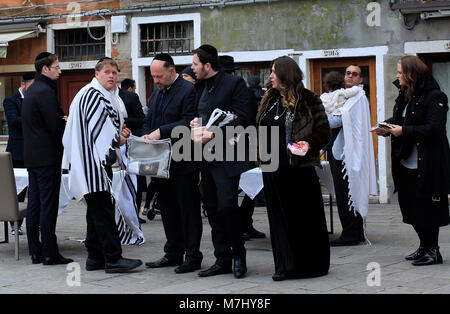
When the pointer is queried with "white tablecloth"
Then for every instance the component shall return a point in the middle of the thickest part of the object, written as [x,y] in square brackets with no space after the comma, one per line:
[251,181]
[65,196]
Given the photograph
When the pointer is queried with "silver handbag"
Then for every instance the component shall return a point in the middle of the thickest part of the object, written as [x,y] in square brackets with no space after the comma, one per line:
[149,158]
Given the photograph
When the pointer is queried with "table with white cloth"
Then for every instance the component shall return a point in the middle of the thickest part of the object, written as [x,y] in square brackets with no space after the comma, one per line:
[251,182]
[65,196]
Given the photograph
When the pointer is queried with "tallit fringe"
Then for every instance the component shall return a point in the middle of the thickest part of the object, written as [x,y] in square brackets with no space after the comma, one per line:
[352,206]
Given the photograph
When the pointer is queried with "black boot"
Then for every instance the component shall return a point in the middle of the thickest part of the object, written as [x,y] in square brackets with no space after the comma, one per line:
[430,257]
[416,255]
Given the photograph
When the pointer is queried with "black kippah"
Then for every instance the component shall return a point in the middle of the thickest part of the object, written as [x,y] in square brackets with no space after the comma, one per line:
[164,57]
[210,50]
[28,76]
[42,55]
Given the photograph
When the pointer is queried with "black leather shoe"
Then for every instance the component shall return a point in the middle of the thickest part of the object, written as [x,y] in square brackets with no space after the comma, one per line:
[431,256]
[214,270]
[122,265]
[254,234]
[165,262]
[187,267]
[59,260]
[344,242]
[416,255]
[36,259]
[240,267]
[94,264]
[279,277]
[142,221]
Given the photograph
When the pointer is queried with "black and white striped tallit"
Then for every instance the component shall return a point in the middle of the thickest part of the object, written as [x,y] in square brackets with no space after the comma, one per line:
[92,130]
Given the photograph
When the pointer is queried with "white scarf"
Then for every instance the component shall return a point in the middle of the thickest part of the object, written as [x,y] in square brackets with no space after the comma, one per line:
[94,121]
[359,160]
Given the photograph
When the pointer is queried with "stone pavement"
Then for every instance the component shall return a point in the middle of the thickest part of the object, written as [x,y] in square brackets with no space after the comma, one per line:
[391,241]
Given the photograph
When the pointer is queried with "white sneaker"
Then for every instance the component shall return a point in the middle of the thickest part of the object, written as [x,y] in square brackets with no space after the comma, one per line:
[13,232]
[20,231]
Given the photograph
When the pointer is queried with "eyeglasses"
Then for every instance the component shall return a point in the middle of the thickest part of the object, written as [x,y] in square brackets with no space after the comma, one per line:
[348,73]
[56,67]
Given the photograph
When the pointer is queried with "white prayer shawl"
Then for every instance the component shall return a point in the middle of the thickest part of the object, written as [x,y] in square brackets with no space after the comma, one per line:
[333,101]
[93,124]
[359,160]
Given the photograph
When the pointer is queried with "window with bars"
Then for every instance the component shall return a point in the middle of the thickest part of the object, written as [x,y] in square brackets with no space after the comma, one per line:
[77,45]
[174,38]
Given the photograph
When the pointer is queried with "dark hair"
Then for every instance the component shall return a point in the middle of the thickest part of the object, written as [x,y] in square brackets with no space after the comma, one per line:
[127,83]
[333,81]
[208,54]
[168,60]
[413,71]
[44,59]
[290,77]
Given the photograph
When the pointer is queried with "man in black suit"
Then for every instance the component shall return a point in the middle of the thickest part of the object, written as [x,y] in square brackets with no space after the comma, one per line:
[134,122]
[43,127]
[172,105]
[220,179]
[247,207]
[13,112]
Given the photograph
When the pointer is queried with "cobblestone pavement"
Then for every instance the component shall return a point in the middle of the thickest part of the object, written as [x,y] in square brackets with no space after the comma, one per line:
[391,241]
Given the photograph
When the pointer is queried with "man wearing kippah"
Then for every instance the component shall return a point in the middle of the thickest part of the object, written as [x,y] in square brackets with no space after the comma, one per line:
[43,127]
[171,106]
[220,179]
[13,112]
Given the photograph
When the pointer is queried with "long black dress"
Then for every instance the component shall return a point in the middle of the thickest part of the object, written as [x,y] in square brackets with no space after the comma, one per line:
[296,214]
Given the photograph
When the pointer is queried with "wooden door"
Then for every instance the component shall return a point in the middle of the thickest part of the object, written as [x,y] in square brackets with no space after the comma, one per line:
[320,67]
[70,83]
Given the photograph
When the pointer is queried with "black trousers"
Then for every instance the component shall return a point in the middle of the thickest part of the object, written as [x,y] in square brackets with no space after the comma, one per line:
[42,210]
[247,209]
[220,199]
[179,200]
[102,239]
[352,225]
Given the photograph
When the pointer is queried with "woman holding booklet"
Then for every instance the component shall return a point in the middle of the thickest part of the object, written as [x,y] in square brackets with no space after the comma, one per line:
[420,156]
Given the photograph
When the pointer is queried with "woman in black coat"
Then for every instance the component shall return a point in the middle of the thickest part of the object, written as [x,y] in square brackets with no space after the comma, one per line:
[420,156]
[294,202]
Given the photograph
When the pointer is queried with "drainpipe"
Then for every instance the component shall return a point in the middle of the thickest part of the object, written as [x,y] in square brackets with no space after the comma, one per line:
[140,10]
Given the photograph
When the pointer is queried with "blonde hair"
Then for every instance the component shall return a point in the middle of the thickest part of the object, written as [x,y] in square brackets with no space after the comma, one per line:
[106,61]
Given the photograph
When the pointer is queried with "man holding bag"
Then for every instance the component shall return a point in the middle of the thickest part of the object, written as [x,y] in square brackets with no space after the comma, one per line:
[172,105]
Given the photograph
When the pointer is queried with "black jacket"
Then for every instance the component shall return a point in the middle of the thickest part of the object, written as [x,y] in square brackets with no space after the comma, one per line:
[42,124]
[228,93]
[424,126]
[136,116]
[13,112]
[178,110]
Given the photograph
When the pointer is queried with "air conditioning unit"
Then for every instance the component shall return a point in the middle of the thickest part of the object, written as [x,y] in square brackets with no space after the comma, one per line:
[119,24]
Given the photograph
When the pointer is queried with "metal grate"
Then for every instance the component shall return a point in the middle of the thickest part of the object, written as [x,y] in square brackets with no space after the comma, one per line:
[173,38]
[77,45]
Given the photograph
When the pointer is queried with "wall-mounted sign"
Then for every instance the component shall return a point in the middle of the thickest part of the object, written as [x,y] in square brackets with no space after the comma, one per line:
[447,46]
[76,65]
[331,53]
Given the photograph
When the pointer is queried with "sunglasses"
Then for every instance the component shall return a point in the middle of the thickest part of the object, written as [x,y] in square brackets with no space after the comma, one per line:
[348,73]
